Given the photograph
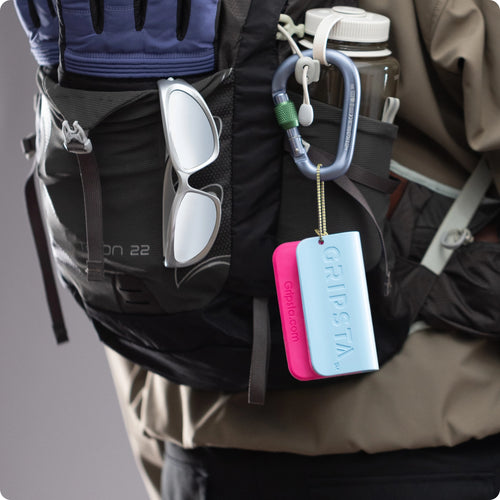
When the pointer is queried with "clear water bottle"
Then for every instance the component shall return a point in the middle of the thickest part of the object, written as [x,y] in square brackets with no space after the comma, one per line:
[362,36]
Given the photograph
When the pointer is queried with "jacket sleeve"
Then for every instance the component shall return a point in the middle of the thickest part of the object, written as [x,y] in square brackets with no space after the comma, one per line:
[449,85]
[463,41]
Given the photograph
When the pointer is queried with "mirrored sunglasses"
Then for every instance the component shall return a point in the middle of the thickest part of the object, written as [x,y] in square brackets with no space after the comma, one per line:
[191,217]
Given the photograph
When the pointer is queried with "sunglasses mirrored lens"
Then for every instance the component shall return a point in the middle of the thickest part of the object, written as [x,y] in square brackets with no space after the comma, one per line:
[191,131]
[195,222]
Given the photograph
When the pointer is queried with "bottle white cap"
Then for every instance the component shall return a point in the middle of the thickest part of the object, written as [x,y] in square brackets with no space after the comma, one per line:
[356,25]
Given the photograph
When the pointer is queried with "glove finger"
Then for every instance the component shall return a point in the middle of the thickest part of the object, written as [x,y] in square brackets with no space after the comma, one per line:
[39,20]
[138,38]
[188,35]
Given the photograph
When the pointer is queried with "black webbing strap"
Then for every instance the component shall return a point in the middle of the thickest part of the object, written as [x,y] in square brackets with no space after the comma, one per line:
[76,141]
[261,348]
[350,188]
[364,176]
[356,173]
[42,248]
[92,199]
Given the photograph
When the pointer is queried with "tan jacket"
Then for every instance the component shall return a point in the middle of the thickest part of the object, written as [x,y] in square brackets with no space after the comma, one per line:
[449,51]
[442,389]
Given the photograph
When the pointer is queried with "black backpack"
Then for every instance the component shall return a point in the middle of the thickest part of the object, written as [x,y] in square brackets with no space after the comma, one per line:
[214,325]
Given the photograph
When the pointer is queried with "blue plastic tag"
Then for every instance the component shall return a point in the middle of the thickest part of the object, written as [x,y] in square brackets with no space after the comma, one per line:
[336,306]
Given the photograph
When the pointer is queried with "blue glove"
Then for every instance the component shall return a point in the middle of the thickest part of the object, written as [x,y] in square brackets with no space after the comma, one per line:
[39,20]
[137,38]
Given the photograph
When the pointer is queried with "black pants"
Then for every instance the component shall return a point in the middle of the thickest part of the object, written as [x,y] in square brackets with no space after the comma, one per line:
[466,472]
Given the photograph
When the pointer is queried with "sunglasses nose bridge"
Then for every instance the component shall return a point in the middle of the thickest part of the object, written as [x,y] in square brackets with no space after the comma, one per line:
[183,180]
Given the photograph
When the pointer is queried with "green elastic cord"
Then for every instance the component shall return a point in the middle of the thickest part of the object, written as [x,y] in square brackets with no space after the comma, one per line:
[286,115]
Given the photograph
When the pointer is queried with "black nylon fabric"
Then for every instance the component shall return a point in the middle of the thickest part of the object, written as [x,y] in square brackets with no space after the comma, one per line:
[207,349]
[464,297]
[232,15]
[257,154]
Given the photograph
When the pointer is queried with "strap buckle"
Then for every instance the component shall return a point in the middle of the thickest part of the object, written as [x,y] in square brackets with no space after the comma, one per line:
[455,238]
[75,139]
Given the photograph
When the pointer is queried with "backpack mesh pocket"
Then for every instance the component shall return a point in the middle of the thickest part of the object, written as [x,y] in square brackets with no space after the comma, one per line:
[126,131]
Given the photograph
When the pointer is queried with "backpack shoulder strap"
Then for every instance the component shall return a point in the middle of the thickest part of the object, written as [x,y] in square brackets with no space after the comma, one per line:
[457,219]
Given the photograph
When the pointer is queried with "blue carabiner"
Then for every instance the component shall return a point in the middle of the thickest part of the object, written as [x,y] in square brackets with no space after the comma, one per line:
[350,113]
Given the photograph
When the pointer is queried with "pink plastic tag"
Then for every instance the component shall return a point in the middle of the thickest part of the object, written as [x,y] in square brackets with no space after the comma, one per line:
[292,317]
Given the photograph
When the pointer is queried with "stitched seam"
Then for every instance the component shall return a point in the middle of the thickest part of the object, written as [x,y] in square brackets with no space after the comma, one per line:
[438,10]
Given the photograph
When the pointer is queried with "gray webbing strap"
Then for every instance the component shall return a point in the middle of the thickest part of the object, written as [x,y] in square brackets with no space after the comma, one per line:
[261,348]
[458,218]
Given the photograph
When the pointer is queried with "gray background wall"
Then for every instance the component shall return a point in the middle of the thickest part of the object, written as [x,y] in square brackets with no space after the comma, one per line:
[61,432]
